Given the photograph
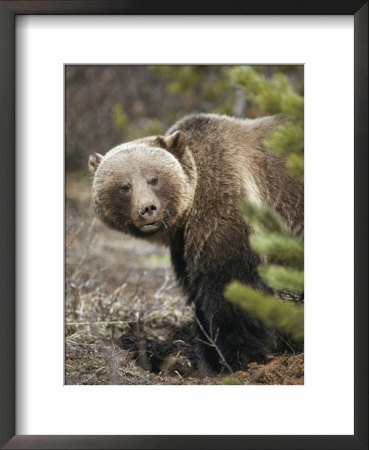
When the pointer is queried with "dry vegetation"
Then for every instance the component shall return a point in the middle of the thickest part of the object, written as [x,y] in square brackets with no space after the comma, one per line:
[126,320]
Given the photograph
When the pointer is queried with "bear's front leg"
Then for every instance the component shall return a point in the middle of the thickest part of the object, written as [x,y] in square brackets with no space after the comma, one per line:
[227,337]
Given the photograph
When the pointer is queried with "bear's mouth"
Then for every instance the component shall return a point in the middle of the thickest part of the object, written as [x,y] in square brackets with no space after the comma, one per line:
[150,227]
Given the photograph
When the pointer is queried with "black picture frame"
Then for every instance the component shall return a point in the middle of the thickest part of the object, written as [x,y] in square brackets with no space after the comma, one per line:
[8,12]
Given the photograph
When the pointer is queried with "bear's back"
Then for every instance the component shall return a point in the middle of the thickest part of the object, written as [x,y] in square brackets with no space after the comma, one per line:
[224,132]
[234,163]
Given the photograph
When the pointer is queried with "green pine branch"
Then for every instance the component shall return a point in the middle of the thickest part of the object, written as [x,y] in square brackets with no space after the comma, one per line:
[287,138]
[274,96]
[282,253]
[262,218]
[283,278]
[287,317]
[280,249]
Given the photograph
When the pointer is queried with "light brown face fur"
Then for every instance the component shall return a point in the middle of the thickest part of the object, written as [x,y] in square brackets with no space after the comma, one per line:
[141,187]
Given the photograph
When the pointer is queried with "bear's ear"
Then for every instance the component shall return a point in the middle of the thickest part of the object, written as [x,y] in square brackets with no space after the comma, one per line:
[174,143]
[94,161]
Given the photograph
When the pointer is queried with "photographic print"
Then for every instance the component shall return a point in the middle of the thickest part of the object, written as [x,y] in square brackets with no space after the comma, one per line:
[184,221]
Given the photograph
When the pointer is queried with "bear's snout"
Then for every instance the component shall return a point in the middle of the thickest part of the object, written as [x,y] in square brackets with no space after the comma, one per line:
[148,210]
[147,216]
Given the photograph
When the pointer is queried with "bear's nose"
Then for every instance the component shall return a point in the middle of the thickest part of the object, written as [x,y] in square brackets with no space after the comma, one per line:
[147,210]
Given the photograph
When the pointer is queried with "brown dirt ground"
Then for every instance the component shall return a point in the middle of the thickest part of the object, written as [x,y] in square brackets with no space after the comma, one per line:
[126,320]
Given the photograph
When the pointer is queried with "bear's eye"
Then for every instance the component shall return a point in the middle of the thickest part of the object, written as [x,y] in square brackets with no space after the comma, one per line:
[153,181]
[125,188]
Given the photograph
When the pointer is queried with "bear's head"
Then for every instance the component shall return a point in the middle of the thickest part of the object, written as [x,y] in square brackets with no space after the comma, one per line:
[144,187]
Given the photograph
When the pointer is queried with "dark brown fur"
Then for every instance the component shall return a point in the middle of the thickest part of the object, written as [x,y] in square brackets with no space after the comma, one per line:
[194,208]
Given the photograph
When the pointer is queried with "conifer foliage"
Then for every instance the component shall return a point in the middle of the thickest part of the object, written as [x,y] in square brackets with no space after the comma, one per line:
[283,271]
[277,96]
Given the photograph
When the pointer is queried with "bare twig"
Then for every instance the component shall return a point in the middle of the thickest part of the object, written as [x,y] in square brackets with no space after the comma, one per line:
[137,287]
[158,293]
[113,362]
[87,249]
[212,343]
[112,322]
[286,343]
[289,368]
[119,289]
[180,376]
[76,297]
[72,233]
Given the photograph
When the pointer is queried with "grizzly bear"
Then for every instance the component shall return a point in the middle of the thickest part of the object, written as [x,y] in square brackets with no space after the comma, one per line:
[184,190]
